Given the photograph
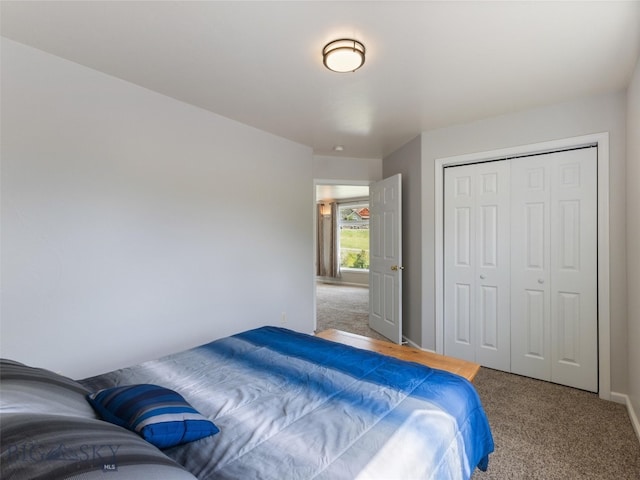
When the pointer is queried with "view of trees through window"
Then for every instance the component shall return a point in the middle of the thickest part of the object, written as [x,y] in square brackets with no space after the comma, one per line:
[353,224]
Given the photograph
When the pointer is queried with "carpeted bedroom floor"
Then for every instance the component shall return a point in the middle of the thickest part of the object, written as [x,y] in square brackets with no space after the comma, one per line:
[344,308]
[546,431]
[542,431]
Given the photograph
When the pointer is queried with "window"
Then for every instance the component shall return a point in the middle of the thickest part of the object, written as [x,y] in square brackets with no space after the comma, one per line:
[353,225]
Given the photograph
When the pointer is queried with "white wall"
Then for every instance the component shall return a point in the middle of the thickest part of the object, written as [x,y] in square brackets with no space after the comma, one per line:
[633,240]
[343,169]
[604,113]
[134,225]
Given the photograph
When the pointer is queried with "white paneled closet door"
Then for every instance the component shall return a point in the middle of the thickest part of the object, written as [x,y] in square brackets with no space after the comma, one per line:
[530,260]
[520,266]
[477,263]
[554,268]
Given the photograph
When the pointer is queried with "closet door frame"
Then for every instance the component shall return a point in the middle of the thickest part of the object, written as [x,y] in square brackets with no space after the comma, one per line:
[601,141]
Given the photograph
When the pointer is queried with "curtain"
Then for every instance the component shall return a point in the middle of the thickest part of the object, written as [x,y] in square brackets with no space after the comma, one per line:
[327,264]
[334,260]
[319,241]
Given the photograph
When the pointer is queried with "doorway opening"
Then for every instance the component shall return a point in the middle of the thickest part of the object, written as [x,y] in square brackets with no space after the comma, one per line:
[342,258]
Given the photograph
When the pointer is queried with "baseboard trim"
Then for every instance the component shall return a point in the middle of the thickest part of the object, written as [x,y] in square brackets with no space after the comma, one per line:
[625,400]
[415,345]
[406,341]
[619,398]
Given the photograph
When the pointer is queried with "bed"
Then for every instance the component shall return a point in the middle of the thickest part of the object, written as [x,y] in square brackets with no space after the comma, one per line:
[283,404]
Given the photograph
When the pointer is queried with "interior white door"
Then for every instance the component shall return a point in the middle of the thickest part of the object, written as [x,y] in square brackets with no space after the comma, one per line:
[476,266]
[554,259]
[385,255]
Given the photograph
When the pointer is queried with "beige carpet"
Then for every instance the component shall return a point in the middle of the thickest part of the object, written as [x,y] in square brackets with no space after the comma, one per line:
[344,308]
[546,431]
[542,431]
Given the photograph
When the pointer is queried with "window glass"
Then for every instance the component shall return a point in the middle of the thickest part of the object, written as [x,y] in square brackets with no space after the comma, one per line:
[353,224]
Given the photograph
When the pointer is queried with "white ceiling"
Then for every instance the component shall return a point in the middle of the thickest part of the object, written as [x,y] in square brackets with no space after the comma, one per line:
[428,65]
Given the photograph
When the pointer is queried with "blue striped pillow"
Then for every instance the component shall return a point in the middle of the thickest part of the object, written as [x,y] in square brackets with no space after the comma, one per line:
[159,415]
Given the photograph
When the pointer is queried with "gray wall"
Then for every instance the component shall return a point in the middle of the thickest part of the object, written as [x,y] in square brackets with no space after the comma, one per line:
[633,240]
[406,161]
[134,225]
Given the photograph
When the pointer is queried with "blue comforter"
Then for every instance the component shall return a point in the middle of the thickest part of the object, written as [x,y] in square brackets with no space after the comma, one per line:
[293,406]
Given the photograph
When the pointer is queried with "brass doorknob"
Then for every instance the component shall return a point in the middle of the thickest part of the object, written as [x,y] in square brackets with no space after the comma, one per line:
[395,268]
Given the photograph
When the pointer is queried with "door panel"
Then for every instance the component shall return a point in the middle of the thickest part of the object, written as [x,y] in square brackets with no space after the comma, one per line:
[462,314]
[488,236]
[385,269]
[492,294]
[375,290]
[489,317]
[535,235]
[554,227]
[459,240]
[535,311]
[574,268]
[530,264]
[568,331]
[477,264]
[569,248]
[462,237]
[389,243]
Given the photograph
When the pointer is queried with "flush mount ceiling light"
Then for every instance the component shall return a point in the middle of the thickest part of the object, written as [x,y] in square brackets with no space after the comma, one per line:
[344,55]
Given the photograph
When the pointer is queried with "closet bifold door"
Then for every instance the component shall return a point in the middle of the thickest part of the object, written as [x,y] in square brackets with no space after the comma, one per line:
[554,267]
[531,268]
[476,305]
